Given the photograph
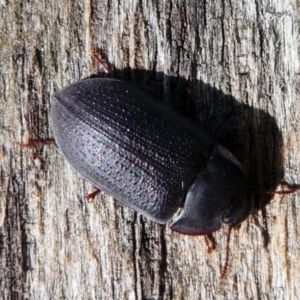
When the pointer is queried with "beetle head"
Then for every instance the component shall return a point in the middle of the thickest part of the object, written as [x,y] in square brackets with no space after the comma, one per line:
[219,194]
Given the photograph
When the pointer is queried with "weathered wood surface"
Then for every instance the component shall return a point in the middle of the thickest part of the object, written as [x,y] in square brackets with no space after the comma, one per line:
[240,61]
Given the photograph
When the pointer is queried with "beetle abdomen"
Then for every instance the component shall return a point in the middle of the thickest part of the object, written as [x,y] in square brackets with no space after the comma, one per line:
[118,137]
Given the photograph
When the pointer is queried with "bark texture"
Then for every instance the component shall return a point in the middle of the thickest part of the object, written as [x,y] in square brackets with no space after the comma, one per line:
[239,62]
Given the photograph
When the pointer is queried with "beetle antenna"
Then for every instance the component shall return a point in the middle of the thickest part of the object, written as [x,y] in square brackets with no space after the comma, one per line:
[284,192]
[225,268]
[290,189]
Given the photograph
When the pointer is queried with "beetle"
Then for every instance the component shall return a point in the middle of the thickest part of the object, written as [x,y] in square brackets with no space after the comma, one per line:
[126,143]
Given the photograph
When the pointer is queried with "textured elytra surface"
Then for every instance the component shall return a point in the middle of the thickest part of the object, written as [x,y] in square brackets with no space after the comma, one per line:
[117,136]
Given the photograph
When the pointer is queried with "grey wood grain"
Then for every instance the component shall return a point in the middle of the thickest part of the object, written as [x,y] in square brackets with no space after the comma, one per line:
[239,62]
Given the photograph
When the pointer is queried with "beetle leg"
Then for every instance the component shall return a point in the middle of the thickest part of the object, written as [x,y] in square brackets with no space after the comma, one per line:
[36,143]
[210,243]
[105,65]
[90,197]
[225,268]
